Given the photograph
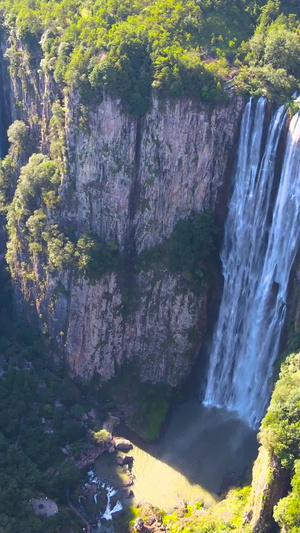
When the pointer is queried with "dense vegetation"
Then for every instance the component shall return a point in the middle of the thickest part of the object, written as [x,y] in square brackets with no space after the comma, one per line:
[36,196]
[280,433]
[32,463]
[280,430]
[132,47]
[287,511]
[33,429]
[40,413]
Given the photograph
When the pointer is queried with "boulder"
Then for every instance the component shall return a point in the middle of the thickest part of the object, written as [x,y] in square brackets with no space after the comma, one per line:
[121,444]
[65,451]
[139,524]
[92,414]
[150,521]
[128,493]
[124,460]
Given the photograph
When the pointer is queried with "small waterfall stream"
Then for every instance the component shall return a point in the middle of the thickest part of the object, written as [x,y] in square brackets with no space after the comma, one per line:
[260,244]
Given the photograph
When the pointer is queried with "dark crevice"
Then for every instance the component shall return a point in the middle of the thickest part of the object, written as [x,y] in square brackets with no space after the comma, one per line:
[215,289]
[130,252]
[224,192]
[5,106]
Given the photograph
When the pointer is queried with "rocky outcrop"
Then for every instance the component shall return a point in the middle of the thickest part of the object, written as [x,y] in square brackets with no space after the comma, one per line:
[269,485]
[132,184]
[123,460]
[128,180]
[140,176]
[122,444]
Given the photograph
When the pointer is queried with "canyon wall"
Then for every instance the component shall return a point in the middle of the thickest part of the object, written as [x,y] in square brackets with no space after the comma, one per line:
[128,180]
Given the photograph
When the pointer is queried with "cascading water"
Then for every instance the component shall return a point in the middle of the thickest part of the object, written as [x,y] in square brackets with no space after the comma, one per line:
[260,245]
[106,516]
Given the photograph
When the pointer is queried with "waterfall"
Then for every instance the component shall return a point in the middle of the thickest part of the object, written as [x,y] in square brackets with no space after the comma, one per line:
[260,245]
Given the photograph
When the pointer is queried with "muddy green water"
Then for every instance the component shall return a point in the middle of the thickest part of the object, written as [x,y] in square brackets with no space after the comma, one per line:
[199,446]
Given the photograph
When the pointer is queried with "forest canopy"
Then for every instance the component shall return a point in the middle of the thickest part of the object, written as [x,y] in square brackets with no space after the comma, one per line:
[193,48]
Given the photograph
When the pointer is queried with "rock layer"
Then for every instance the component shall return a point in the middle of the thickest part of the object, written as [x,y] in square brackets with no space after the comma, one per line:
[129,180]
[269,484]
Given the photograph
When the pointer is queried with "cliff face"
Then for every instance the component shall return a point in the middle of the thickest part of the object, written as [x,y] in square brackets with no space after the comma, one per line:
[128,180]
[139,176]
[269,485]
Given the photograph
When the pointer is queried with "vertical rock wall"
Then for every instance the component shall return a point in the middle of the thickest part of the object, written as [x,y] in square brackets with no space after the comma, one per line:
[128,180]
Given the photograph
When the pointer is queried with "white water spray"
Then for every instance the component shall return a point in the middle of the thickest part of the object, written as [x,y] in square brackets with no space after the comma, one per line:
[260,245]
[110,492]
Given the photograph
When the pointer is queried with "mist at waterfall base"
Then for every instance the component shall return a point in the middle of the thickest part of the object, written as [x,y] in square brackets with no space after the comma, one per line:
[199,446]
[260,245]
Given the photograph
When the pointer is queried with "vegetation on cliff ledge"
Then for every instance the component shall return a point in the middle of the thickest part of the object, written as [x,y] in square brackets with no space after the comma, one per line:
[133,47]
[189,250]
[33,213]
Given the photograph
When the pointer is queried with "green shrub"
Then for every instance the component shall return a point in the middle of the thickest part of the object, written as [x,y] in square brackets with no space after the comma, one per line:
[179,73]
[29,26]
[57,135]
[101,437]
[7,181]
[37,178]
[97,258]
[60,250]
[287,511]
[280,429]
[19,137]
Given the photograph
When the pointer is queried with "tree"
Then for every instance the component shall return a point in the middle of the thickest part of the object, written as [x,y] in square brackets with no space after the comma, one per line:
[282,49]
[18,136]
[101,437]
[287,511]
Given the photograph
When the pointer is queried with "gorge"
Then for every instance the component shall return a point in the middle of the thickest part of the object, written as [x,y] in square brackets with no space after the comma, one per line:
[149,197]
